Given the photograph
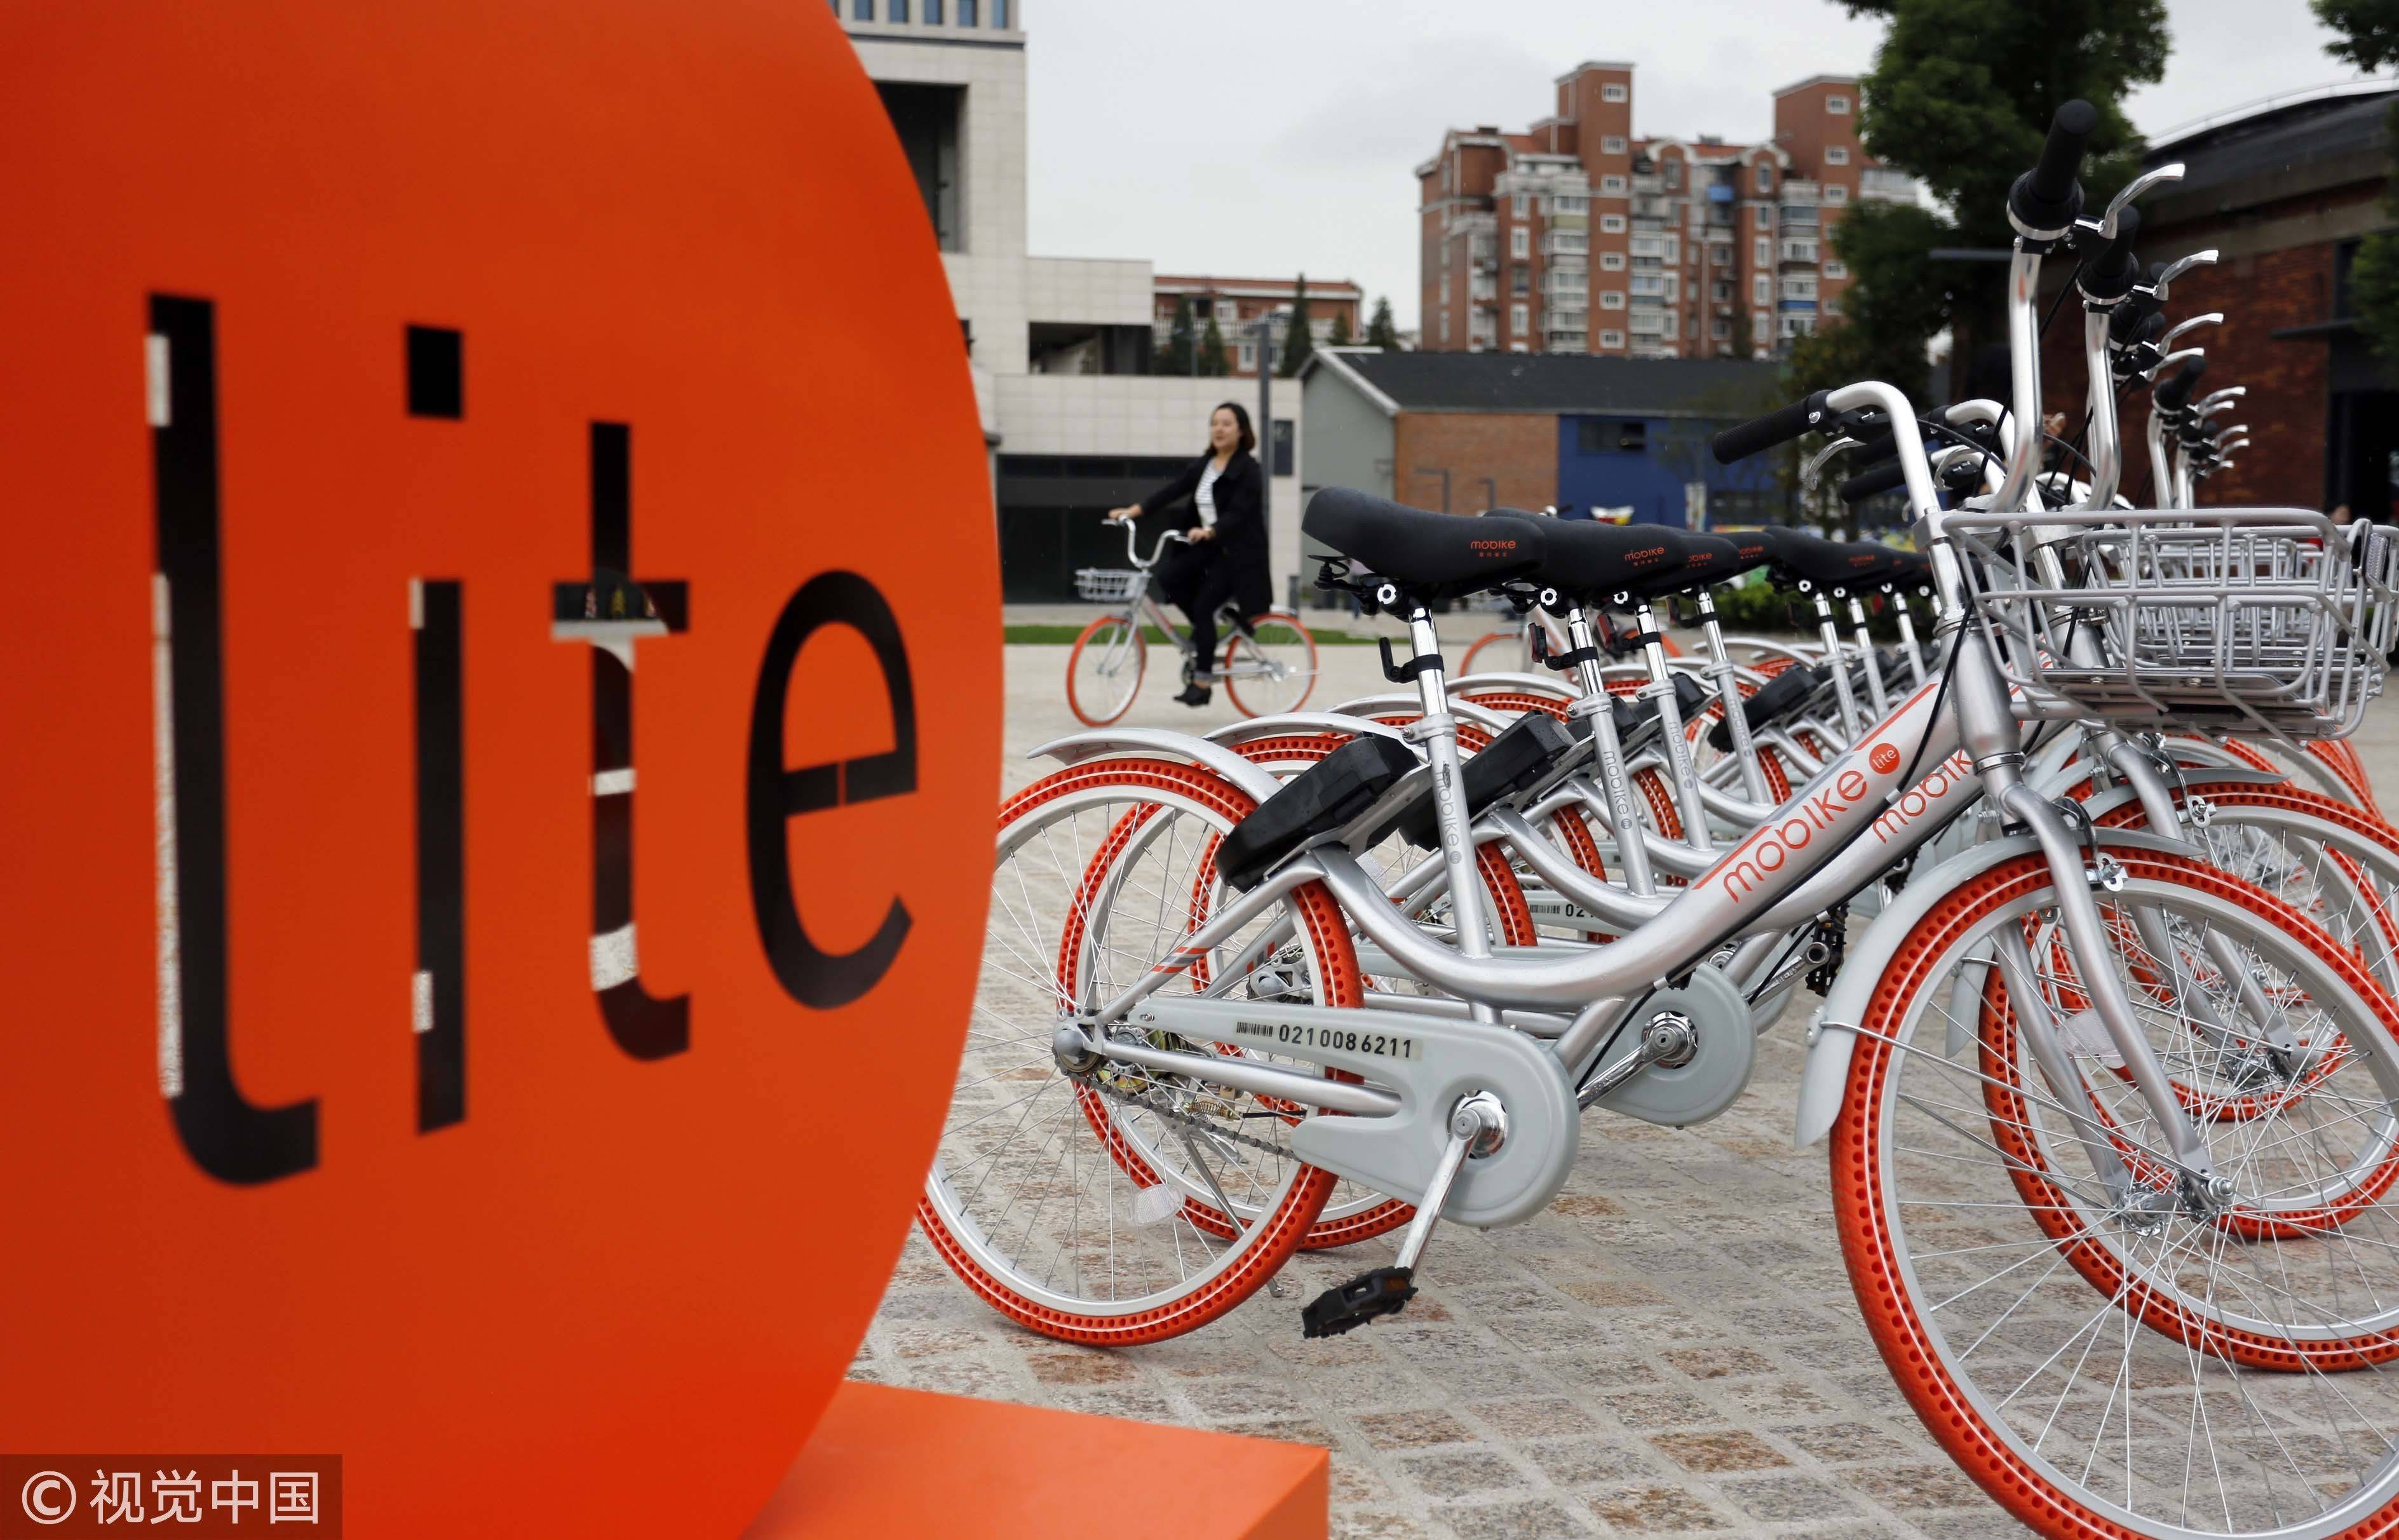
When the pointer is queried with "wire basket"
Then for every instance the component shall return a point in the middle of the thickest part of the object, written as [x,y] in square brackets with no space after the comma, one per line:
[1105,585]
[2269,620]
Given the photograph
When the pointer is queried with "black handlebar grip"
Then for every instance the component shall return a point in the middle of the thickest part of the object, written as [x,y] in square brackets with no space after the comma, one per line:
[2109,276]
[1883,478]
[2173,394]
[1776,428]
[2061,155]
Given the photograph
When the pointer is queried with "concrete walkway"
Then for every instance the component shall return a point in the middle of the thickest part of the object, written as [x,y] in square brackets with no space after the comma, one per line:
[1672,1349]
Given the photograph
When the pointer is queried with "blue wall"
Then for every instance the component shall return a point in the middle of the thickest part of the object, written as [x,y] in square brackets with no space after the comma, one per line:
[1650,481]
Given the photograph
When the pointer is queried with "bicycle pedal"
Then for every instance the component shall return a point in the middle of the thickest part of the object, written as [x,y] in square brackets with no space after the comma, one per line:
[1345,1307]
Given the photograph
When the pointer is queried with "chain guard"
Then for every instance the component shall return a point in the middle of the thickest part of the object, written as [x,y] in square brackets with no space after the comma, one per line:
[1680,1095]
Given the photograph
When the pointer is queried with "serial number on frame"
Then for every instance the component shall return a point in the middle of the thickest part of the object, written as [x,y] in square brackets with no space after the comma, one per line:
[1382,1044]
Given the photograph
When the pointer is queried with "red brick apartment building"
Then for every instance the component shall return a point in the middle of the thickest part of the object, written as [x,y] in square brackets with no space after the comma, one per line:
[1236,304]
[2283,191]
[1579,236]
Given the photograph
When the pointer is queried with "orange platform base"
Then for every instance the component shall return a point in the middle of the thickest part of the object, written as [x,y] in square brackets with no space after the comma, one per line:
[896,1464]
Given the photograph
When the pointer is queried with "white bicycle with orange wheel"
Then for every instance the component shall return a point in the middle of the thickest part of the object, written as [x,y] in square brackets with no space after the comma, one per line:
[1269,664]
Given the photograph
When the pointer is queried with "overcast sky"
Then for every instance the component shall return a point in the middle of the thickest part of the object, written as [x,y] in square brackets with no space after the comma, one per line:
[1271,136]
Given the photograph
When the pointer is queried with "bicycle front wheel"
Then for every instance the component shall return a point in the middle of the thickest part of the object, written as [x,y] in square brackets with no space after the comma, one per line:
[2209,1385]
[1104,671]
[1271,669]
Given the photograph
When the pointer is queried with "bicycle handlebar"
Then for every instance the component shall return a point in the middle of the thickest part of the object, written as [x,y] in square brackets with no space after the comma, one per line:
[2173,393]
[1133,547]
[1779,427]
[2045,200]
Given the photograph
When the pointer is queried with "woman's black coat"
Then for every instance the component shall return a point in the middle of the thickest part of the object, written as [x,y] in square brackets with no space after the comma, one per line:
[1240,540]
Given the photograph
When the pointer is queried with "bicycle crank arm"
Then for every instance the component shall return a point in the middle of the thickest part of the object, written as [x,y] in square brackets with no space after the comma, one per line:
[1420,1067]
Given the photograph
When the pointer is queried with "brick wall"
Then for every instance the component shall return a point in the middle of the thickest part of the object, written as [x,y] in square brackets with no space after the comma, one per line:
[1516,451]
[2288,399]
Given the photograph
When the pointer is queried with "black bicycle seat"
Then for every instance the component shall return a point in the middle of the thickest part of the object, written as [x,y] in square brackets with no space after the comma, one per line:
[1429,555]
[1587,560]
[1839,567]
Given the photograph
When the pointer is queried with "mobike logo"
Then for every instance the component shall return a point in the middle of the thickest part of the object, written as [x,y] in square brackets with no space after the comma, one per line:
[1924,795]
[472,770]
[1771,848]
[1654,553]
[1884,757]
[1491,547]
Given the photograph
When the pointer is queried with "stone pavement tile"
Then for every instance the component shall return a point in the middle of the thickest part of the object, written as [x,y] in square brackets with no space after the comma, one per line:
[1715,1363]
[1143,1403]
[1232,1397]
[1656,1409]
[1068,1366]
[1356,1484]
[1837,1444]
[1906,1489]
[1875,1391]
[1411,1429]
[1655,1510]
[1374,1525]
[1613,1294]
[1535,1520]
[1717,1451]
[1591,1461]
[1780,1397]
[1584,1205]
[1783,1499]
[967,1376]
[1492,1377]
[1461,1474]
[1598,1372]
[1546,1417]
[1836,1349]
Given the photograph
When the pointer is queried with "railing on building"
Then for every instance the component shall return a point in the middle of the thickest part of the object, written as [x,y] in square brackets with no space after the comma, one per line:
[1876,185]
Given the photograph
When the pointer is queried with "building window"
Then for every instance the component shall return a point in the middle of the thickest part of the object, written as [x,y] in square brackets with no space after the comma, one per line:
[1674,252]
[862,10]
[927,119]
[1611,339]
[1520,280]
[1764,254]
[999,14]
[1799,286]
[1837,105]
[1520,243]
[1611,299]
[1249,350]
[1614,186]
[1612,145]
[1721,291]
[1519,318]
[1766,179]
[1720,328]
[1761,326]
[1834,269]
[1615,94]
[1798,250]
[933,13]
[1611,261]
[1836,154]
[1760,215]
[1522,204]
[1649,283]
[1832,308]
[1444,327]
[1674,173]
[967,13]
[1611,224]
[1836,193]
[1720,255]
[1761,289]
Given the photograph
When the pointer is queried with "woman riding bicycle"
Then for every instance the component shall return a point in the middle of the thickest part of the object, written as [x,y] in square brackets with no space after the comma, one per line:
[1226,558]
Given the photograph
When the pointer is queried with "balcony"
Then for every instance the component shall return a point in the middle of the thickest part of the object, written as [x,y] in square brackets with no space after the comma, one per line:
[1566,341]
[1798,190]
[1877,186]
[1797,308]
[1575,284]
[1484,291]
[1803,217]
[1557,242]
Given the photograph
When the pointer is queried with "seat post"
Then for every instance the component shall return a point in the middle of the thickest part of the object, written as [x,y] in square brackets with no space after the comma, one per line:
[1598,707]
[1436,732]
[1831,636]
[1866,655]
[1720,669]
[1908,635]
[1660,693]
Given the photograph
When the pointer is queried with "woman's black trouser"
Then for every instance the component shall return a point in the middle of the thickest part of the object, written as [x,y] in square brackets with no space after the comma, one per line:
[1199,580]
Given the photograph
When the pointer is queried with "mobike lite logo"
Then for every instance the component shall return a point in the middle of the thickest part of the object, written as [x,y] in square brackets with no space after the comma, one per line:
[1774,846]
[1884,757]
[488,787]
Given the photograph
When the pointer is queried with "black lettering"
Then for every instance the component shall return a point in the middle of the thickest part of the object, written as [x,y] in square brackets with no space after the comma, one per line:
[439,990]
[226,1134]
[809,975]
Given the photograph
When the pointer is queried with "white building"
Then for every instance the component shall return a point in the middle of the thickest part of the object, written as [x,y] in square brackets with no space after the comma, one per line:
[1059,346]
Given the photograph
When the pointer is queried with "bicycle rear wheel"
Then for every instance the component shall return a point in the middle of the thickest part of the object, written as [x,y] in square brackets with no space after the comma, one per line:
[1090,1206]
[1271,669]
[1975,1230]
[1104,671]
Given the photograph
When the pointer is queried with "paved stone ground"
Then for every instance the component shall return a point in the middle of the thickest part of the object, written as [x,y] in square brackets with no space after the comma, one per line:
[1672,1349]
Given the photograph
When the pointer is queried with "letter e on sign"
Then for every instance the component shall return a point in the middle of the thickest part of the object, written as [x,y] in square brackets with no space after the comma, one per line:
[313,1136]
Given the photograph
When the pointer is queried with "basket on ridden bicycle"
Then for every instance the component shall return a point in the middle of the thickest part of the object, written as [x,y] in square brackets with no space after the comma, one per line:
[1105,585]
[2222,620]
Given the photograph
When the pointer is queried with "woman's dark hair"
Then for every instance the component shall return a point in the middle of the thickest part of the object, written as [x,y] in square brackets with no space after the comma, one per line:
[1240,420]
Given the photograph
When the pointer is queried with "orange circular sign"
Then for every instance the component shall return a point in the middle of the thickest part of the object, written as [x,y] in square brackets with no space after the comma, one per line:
[503,718]
[1884,757]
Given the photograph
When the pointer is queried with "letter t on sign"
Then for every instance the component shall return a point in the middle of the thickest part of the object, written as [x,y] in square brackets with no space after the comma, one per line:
[610,612]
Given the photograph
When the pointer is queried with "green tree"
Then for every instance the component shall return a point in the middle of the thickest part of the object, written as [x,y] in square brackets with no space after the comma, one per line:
[2369,40]
[1380,329]
[1300,340]
[1339,335]
[1177,356]
[1211,352]
[1961,97]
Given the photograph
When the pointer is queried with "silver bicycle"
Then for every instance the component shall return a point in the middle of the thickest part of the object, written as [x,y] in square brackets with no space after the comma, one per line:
[1269,664]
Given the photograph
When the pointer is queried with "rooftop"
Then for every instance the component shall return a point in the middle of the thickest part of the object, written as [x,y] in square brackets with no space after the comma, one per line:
[1558,381]
[2280,146]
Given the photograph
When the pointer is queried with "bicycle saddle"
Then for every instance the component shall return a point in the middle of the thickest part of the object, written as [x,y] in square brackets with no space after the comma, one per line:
[1839,567]
[1587,560]
[1431,555]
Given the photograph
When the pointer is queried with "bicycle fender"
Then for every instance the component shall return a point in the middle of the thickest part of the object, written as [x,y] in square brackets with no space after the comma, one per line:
[1833,1032]
[1250,729]
[1405,703]
[2196,778]
[1158,743]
